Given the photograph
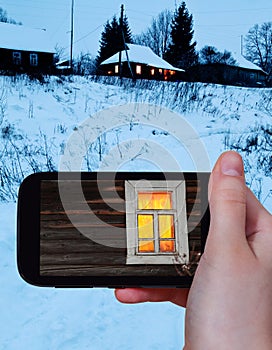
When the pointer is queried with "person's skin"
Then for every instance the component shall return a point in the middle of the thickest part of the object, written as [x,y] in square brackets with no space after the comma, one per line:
[229,305]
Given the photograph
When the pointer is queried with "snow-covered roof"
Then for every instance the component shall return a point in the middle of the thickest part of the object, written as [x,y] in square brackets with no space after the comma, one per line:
[17,37]
[242,62]
[141,54]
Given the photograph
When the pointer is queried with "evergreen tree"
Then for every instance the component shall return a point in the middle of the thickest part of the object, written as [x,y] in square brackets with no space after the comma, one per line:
[113,38]
[181,52]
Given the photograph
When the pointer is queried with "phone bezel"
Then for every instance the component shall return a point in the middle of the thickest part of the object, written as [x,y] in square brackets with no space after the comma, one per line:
[28,229]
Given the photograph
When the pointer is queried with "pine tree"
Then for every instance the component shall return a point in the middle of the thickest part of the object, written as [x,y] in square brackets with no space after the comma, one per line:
[182,52]
[113,38]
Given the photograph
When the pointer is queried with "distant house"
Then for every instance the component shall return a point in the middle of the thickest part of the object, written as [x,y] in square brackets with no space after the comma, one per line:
[25,49]
[141,62]
[243,73]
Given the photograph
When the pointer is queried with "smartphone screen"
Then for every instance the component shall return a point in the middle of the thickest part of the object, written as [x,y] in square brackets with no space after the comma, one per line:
[112,229]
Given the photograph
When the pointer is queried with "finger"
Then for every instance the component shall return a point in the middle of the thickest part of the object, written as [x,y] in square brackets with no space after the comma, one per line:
[259,229]
[227,197]
[141,295]
[258,218]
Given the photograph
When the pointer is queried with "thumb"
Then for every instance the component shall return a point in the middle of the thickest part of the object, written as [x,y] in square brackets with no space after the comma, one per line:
[227,198]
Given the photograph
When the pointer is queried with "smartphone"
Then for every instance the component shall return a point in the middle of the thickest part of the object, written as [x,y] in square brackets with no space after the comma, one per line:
[111,229]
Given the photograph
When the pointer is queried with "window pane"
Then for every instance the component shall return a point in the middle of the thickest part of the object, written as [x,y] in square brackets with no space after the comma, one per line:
[146,247]
[145,226]
[167,246]
[154,200]
[166,226]
[138,69]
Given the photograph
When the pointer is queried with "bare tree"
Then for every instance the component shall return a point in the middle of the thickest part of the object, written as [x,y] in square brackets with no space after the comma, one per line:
[4,17]
[85,64]
[210,55]
[258,45]
[157,36]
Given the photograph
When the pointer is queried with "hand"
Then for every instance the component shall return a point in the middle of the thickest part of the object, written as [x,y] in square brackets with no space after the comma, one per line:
[229,305]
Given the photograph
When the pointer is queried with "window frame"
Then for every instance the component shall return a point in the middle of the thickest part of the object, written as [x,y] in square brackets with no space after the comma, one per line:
[33,59]
[17,58]
[178,190]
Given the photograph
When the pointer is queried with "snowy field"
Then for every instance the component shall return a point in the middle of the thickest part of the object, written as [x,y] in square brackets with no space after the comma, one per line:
[37,120]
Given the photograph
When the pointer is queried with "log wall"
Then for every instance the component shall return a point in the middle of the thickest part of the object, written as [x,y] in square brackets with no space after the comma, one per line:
[65,251]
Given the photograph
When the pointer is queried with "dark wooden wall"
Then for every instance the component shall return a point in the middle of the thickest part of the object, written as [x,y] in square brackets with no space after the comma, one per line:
[65,251]
[224,74]
[45,62]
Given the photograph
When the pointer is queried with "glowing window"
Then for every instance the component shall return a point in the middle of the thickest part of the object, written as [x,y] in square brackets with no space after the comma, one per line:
[138,69]
[156,222]
[154,200]
[116,69]
[152,71]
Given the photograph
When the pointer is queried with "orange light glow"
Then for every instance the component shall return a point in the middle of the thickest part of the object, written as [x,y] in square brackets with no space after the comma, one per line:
[167,246]
[145,226]
[154,200]
[152,71]
[138,69]
[166,226]
[146,247]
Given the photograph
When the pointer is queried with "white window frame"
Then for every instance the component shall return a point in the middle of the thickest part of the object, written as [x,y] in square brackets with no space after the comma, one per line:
[33,59]
[17,58]
[178,190]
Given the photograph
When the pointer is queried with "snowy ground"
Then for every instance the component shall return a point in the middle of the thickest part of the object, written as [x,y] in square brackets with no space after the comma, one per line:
[35,122]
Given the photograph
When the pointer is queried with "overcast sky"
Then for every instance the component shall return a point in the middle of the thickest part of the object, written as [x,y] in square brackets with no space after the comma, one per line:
[217,23]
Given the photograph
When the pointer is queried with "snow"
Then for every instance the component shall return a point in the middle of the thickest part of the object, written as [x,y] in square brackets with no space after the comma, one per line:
[242,62]
[141,54]
[18,37]
[36,120]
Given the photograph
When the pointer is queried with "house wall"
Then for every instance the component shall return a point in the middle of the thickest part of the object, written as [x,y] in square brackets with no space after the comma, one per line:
[159,74]
[45,61]
[65,251]
[223,74]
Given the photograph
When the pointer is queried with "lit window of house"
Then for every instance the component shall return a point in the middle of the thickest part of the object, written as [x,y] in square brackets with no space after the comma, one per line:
[156,222]
[138,69]
[17,58]
[33,59]
[116,69]
[152,72]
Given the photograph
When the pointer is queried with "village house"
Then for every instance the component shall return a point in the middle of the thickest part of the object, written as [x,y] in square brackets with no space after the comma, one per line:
[25,49]
[243,73]
[140,62]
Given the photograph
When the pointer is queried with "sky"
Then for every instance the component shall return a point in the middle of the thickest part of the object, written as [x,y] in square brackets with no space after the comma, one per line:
[217,23]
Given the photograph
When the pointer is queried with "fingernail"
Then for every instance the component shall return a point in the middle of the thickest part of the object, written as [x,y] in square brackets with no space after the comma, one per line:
[231,164]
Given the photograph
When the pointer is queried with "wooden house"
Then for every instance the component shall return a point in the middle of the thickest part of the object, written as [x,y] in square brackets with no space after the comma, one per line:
[105,230]
[25,49]
[140,62]
[243,73]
